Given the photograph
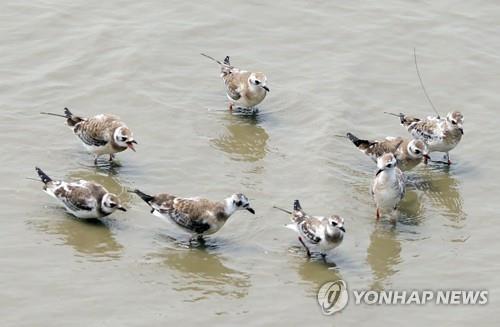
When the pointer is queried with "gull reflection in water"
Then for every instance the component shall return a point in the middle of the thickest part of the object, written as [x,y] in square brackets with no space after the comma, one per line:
[443,190]
[315,271]
[411,208]
[202,274]
[242,138]
[89,238]
[383,255]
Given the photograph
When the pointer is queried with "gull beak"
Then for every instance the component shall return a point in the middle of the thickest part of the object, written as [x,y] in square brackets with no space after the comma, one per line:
[378,172]
[342,229]
[461,130]
[265,88]
[122,209]
[130,144]
[250,210]
[426,156]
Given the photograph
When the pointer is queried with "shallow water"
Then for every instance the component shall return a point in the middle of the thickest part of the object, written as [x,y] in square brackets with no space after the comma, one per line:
[332,67]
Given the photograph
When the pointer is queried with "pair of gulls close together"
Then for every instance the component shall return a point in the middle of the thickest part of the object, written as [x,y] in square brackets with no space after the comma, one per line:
[106,134]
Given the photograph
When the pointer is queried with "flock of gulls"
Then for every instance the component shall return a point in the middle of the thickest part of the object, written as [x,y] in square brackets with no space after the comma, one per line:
[106,134]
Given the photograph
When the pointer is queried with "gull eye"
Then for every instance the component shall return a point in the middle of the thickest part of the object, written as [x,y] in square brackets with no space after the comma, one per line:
[453,122]
[257,82]
[112,205]
[417,151]
[238,203]
[334,223]
[123,139]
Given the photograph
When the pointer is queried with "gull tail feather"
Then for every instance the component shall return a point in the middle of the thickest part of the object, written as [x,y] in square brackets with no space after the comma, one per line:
[72,120]
[43,176]
[147,198]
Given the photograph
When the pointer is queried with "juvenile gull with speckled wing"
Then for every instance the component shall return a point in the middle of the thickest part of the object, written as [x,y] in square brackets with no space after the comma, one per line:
[440,134]
[244,89]
[101,134]
[196,216]
[409,152]
[82,199]
[316,232]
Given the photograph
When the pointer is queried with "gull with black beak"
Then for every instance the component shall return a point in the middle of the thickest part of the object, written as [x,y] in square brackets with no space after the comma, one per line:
[197,216]
[102,134]
[440,134]
[244,89]
[409,152]
[82,199]
[316,232]
[388,187]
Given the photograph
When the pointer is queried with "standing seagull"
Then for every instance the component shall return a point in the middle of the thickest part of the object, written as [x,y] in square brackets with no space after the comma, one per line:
[388,186]
[321,233]
[409,152]
[196,216]
[440,134]
[243,88]
[82,199]
[101,134]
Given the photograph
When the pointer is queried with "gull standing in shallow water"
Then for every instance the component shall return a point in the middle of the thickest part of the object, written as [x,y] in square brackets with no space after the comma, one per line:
[409,152]
[101,134]
[440,134]
[82,199]
[244,89]
[388,186]
[196,216]
[320,233]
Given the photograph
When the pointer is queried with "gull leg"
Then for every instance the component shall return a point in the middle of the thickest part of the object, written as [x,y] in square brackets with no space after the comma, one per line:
[305,246]
[323,255]
[448,158]
[111,157]
[231,106]
[95,160]
[377,214]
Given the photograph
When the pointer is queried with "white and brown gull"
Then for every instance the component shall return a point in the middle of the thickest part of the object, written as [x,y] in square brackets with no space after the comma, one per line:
[388,187]
[82,199]
[102,134]
[409,152]
[318,233]
[440,134]
[244,89]
[197,216]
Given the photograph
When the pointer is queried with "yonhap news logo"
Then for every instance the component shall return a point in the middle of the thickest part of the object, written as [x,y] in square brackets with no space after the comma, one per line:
[333,297]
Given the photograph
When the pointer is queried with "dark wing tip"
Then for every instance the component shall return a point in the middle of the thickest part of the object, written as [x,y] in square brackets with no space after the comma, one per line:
[43,176]
[296,205]
[147,198]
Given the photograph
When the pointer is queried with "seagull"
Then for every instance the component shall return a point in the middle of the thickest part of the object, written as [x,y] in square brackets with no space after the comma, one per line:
[101,134]
[82,199]
[321,233]
[388,186]
[440,134]
[409,152]
[244,89]
[197,216]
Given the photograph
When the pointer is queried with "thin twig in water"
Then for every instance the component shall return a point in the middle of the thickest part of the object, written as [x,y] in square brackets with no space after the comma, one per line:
[284,210]
[422,83]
